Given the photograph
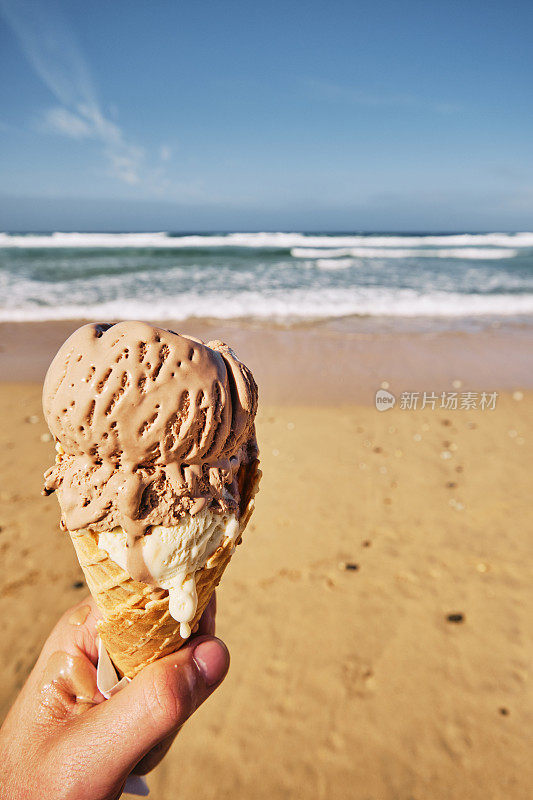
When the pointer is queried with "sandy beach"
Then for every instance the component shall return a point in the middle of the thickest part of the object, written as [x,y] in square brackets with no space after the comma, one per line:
[378,612]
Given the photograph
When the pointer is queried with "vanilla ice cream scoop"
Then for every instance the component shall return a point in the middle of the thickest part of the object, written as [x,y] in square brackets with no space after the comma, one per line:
[170,557]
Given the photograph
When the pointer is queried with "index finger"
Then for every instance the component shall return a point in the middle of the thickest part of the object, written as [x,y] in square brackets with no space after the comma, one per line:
[76,632]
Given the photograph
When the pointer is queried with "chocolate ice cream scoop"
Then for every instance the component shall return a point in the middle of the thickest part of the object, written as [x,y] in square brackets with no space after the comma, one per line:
[150,425]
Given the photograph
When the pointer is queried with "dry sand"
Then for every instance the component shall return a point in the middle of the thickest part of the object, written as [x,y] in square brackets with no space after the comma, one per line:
[347,679]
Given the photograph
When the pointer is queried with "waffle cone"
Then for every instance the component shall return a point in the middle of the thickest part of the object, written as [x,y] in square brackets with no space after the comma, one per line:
[136,626]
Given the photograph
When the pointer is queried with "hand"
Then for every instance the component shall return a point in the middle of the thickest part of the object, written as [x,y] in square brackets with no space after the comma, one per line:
[56,745]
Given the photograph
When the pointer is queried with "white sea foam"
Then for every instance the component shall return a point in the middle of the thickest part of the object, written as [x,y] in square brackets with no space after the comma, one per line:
[333,263]
[107,240]
[481,253]
[294,304]
[261,240]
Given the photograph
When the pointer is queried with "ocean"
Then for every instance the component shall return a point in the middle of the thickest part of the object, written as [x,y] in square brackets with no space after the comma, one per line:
[288,278]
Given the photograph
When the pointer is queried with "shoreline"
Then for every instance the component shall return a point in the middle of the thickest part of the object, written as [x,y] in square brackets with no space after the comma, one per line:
[326,364]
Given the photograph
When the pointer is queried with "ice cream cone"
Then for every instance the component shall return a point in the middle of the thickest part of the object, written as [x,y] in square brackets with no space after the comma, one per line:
[136,626]
[155,473]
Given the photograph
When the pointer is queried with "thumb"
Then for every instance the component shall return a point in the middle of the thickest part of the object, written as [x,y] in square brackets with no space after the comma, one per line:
[120,731]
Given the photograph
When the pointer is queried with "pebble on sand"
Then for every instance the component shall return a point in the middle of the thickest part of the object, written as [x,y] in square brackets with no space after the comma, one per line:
[456,504]
[455,617]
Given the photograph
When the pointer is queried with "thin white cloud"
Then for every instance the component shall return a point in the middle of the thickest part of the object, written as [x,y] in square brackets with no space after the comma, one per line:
[51,48]
[325,90]
[61,120]
[165,152]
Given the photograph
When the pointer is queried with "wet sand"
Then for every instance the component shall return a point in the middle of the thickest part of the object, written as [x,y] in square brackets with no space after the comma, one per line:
[332,363]
[379,611]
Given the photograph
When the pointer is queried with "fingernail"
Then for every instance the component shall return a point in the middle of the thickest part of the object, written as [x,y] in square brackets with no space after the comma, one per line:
[212,659]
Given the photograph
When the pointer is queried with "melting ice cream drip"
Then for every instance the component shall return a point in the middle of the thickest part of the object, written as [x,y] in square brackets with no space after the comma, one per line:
[182,604]
[169,557]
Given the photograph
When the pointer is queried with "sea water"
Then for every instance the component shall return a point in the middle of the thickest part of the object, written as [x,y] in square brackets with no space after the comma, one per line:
[286,277]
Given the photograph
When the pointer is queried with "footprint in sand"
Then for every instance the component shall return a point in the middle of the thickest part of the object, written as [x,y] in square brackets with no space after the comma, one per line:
[292,575]
[357,678]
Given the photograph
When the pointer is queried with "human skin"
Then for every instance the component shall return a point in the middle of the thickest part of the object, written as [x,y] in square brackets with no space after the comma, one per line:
[53,746]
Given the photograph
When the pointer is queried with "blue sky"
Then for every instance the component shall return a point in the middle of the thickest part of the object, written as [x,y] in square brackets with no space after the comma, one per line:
[241,115]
